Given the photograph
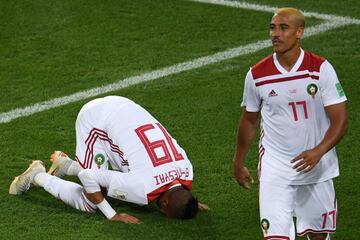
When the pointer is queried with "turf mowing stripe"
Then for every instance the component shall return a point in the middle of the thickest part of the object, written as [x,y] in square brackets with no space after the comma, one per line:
[330,23]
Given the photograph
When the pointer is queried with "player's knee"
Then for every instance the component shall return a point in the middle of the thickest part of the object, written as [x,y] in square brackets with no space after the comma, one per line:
[317,236]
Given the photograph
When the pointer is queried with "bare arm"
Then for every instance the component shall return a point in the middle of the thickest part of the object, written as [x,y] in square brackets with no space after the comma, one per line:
[249,122]
[337,114]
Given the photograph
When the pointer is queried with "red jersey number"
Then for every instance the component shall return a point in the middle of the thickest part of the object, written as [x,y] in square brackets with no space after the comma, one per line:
[298,105]
[152,146]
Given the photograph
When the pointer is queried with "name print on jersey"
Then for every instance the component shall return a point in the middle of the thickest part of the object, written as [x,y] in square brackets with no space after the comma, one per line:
[170,176]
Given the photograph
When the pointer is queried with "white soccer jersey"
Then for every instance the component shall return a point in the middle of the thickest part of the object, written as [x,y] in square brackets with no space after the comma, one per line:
[116,130]
[293,115]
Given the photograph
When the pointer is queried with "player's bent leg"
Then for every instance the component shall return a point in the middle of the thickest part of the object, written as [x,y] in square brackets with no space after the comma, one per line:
[69,192]
[276,207]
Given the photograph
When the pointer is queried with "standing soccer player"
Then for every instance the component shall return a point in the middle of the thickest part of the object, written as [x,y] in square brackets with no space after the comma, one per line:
[147,164]
[303,116]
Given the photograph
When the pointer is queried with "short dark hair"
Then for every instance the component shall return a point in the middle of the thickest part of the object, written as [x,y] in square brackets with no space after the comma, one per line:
[178,203]
[191,208]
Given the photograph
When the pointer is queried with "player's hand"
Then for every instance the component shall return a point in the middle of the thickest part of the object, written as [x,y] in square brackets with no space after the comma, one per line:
[242,176]
[307,160]
[203,206]
[125,218]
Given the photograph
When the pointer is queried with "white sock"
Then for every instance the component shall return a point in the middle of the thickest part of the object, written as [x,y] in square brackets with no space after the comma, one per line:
[69,192]
[74,169]
[42,178]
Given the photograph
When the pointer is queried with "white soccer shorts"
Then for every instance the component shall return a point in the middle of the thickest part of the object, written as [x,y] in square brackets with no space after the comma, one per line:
[313,205]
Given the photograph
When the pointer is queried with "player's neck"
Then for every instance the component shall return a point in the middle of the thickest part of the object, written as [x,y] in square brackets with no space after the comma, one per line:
[288,58]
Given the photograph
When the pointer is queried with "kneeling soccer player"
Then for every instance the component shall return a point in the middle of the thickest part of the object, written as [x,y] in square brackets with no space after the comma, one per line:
[147,164]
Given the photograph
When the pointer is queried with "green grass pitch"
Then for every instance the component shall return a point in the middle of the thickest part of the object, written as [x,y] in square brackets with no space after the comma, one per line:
[55,48]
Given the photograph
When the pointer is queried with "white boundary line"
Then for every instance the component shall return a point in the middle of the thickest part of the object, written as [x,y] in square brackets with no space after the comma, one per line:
[271,9]
[331,22]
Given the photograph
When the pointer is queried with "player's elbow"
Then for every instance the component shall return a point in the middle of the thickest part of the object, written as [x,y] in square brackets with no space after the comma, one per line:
[89,181]
[84,175]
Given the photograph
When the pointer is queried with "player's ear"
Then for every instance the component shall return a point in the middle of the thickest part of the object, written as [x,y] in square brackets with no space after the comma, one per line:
[300,32]
[166,202]
[163,203]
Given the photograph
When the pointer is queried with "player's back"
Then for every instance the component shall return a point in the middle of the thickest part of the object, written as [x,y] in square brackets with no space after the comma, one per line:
[135,141]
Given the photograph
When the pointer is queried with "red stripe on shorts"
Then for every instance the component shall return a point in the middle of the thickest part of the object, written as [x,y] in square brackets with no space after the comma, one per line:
[275,237]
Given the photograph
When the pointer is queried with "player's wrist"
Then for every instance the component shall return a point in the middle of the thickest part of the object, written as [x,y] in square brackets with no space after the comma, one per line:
[321,149]
[238,162]
[106,209]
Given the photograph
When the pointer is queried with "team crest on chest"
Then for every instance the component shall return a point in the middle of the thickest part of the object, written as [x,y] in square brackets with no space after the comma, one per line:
[99,159]
[312,89]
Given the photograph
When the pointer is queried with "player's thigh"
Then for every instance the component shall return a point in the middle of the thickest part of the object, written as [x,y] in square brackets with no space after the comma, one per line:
[276,207]
[316,208]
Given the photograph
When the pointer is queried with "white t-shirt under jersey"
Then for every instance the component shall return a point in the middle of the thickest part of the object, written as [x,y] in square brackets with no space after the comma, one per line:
[293,115]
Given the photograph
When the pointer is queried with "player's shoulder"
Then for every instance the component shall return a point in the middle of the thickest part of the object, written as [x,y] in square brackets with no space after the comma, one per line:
[311,62]
[265,67]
